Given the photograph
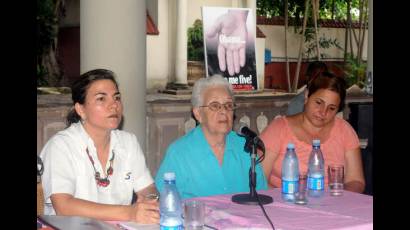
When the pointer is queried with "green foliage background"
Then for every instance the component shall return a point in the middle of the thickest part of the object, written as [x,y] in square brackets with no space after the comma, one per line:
[296,8]
[46,22]
[195,42]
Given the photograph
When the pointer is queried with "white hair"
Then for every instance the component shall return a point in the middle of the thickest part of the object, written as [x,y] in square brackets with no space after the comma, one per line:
[204,83]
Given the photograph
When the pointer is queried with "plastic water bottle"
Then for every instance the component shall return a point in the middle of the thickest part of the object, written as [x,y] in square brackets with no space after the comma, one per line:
[290,174]
[316,171]
[170,204]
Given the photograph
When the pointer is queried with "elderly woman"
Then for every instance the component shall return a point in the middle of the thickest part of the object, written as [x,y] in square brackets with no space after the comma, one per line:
[91,168]
[339,142]
[210,159]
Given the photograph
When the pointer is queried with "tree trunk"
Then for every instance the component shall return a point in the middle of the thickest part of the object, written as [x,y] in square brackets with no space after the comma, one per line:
[315,6]
[353,31]
[365,12]
[50,63]
[362,30]
[295,83]
[49,58]
[286,46]
[349,24]
[346,39]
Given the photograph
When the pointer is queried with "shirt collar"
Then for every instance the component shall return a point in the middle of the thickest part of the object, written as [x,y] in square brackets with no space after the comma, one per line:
[87,142]
[200,136]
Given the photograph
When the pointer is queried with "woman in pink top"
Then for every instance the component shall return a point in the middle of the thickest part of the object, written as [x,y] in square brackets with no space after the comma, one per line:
[339,142]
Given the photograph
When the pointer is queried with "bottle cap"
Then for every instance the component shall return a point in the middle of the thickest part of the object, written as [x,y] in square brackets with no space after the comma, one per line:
[169,176]
[291,146]
[316,142]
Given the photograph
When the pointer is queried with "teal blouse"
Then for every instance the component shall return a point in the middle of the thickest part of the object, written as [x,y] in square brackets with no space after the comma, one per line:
[198,172]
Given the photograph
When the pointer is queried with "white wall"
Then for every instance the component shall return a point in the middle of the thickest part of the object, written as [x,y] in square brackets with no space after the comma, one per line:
[158,49]
[260,61]
[161,48]
[194,8]
[275,41]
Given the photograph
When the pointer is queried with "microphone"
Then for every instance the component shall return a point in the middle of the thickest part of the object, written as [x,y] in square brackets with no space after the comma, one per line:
[243,130]
[250,135]
[252,143]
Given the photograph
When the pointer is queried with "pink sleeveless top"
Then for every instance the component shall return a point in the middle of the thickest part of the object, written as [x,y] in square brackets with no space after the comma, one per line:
[278,134]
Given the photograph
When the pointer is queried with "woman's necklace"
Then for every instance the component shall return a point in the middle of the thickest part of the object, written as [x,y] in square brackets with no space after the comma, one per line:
[104,182]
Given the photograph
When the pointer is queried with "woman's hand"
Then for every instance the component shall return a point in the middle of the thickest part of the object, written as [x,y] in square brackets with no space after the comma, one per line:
[146,212]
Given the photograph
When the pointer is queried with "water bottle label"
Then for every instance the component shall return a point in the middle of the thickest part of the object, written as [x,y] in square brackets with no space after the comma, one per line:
[316,183]
[179,227]
[289,187]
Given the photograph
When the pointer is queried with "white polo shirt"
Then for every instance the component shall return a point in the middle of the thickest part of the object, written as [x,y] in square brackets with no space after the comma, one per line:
[67,168]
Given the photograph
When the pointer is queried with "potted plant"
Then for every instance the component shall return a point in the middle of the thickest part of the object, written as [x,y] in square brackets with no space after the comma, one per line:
[196,67]
[355,72]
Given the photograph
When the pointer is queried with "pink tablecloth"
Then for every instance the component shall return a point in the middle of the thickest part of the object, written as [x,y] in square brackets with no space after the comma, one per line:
[350,211]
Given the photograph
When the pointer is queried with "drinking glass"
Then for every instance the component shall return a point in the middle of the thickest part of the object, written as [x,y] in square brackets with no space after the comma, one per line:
[300,197]
[194,215]
[336,179]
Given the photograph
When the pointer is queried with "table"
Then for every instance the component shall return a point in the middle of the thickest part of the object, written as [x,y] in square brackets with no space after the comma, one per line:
[349,211]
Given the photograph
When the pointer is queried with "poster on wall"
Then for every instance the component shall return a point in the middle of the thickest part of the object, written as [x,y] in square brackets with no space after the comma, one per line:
[229,45]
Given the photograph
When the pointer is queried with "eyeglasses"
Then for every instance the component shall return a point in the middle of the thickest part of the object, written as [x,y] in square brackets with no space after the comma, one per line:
[216,106]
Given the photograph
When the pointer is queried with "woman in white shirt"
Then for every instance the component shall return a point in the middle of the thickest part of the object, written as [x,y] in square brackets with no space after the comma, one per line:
[91,168]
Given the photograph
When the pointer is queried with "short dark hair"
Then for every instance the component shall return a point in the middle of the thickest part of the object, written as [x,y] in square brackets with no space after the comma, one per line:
[327,80]
[80,87]
[314,68]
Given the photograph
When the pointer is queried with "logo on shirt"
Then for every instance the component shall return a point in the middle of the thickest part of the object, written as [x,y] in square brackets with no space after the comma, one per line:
[128,176]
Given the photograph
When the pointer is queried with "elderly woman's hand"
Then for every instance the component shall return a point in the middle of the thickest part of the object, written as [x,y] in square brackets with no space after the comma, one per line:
[146,212]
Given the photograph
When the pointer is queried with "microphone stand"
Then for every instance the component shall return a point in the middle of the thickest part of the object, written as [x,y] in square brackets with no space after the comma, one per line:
[252,198]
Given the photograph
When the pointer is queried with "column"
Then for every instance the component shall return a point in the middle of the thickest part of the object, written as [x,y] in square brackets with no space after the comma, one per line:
[237,3]
[369,71]
[181,60]
[259,49]
[113,36]
[252,4]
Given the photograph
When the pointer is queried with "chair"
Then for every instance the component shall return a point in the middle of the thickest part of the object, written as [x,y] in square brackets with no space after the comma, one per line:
[367,158]
[40,200]
[361,119]
[40,194]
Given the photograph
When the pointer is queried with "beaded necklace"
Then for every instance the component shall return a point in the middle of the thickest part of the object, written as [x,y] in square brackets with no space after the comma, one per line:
[104,182]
